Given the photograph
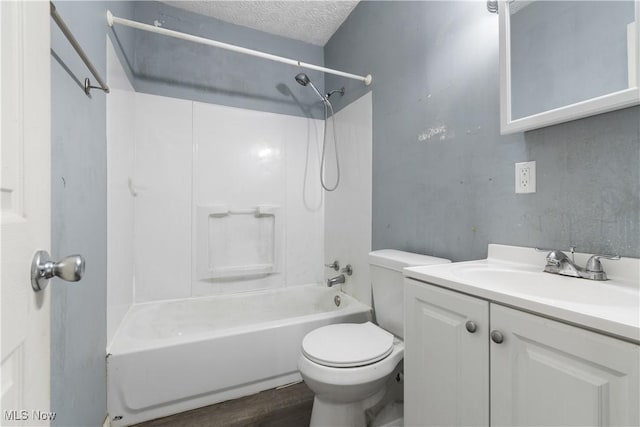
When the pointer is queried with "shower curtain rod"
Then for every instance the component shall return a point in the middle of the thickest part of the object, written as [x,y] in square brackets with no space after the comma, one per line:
[171,33]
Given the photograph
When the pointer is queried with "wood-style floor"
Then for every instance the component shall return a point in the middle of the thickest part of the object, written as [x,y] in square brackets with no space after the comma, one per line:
[286,407]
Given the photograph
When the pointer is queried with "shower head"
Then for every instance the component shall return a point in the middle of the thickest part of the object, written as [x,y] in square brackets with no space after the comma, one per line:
[304,80]
[492,6]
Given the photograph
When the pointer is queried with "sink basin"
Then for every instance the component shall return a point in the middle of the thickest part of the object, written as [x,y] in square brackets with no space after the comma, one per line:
[546,287]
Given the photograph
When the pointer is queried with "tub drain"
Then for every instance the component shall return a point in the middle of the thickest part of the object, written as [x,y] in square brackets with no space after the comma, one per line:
[336,300]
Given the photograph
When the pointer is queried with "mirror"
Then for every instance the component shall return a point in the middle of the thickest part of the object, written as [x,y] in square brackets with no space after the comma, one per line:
[564,60]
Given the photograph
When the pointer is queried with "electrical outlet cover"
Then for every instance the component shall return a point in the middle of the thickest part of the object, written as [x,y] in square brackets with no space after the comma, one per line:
[525,177]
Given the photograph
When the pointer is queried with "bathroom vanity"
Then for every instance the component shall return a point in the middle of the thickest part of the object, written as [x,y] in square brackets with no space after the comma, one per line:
[499,342]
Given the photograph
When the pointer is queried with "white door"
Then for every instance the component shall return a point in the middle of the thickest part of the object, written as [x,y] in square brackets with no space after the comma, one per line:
[446,359]
[546,373]
[25,189]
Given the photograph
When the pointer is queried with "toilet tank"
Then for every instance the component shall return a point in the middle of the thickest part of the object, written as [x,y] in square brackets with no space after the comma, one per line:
[387,284]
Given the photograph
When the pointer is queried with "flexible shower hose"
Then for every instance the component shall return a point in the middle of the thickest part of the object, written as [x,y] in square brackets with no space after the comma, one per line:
[324,145]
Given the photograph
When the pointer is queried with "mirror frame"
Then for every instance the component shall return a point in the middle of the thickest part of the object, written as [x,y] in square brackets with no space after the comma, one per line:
[601,104]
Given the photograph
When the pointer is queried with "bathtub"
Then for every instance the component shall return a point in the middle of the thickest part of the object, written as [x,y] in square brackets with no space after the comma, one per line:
[173,356]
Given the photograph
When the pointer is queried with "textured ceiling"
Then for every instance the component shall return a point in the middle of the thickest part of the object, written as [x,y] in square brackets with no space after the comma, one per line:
[306,20]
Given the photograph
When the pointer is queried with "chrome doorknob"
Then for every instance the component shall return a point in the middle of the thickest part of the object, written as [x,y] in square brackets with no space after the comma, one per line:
[70,269]
[471,326]
[497,336]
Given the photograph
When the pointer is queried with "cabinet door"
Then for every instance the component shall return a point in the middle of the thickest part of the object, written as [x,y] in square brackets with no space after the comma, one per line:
[446,366]
[546,373]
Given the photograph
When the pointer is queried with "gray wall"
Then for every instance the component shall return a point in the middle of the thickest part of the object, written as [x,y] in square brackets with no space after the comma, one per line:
[443,177]
[182,69]
[78,223]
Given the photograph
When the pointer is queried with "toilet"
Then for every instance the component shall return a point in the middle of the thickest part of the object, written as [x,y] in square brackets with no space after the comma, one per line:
[352,367]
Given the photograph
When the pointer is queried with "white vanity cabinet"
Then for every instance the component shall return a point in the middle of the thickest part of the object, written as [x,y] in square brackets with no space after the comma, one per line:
[512,369]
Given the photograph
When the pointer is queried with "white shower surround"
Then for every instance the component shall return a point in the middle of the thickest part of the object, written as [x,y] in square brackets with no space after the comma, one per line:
[347,211]
[120,216]
[190,154]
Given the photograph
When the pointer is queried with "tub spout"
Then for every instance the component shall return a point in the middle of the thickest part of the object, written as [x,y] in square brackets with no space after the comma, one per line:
[336,280]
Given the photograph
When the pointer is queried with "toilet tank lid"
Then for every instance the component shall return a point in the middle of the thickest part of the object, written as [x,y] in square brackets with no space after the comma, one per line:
[397,260]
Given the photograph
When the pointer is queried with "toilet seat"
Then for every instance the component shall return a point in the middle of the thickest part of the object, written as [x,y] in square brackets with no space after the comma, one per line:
[347,345]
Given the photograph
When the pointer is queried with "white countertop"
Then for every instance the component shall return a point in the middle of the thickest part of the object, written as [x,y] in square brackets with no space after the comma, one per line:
[513,276]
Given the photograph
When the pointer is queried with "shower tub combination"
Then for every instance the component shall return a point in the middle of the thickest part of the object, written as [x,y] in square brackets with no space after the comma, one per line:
[172,356]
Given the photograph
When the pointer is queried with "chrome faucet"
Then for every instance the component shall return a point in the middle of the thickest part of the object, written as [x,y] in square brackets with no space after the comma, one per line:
[336,280]
[559,263]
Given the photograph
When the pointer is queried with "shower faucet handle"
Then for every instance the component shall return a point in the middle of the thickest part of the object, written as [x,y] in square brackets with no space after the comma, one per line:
[335,265]
[348,270]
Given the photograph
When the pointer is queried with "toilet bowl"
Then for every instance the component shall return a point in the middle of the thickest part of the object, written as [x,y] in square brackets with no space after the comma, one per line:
[349,367]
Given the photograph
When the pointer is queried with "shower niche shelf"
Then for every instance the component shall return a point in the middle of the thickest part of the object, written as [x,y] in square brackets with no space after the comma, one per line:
[234,243]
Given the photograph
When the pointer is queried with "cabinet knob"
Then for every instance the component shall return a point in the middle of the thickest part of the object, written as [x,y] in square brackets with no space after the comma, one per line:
[497,336]
[471,326]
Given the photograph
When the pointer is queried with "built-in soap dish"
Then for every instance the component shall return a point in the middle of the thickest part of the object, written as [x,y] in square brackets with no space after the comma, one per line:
[237,242]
